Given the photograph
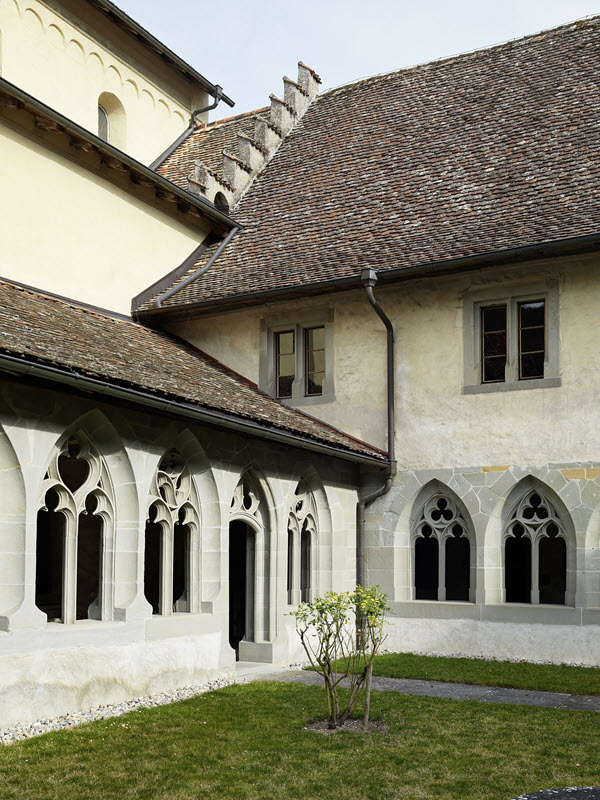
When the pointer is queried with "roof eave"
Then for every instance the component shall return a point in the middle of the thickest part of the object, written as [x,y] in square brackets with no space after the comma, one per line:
[23,366]
[122,160]
[552,248]
[155,45]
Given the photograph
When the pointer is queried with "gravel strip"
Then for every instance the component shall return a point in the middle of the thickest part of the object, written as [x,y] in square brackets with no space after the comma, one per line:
[27,731]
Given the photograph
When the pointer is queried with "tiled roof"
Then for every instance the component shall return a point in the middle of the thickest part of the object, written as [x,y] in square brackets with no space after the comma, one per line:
[84,342]
[206,144]
[478,153]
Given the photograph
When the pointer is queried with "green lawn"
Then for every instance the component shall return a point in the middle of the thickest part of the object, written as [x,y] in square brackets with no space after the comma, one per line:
[515,675]
[248,743]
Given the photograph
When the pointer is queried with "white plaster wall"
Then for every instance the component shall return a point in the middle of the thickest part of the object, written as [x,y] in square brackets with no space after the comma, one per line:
[49,55]
[69,231]
[504,641]
[50,668]
[51,682]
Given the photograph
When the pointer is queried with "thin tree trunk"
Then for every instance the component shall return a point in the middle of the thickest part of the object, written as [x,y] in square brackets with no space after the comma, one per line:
[368,696]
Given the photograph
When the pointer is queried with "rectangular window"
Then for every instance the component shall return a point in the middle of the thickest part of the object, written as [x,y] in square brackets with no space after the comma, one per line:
[286,362]
[532,339]
[493,343]
[297,359]
[314,355]
[511,341]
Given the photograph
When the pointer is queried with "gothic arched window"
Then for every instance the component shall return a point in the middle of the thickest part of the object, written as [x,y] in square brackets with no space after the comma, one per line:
[535,552]
[442,552]
[301,541]
[171,552]
[74,530]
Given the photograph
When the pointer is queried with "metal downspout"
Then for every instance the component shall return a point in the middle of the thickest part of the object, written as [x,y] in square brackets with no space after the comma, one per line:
[174,289]
[188,132]
[369,279]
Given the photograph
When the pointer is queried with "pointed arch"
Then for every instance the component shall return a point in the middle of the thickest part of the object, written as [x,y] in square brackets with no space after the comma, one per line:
[442,546]
[12,522]
[172,551]
[251,565]
[75,534]
[538,548]
[308,505]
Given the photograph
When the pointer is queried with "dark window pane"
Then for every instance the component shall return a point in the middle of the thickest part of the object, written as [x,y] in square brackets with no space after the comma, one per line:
[315,362]
[493,319]
[532,365]
[494,344]
[532,340]
[532,314]
[285,362]
[493,369]
[314,383]
[284,386]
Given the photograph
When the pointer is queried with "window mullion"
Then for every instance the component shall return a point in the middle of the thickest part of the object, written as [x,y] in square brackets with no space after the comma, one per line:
[442,568]
[535,571]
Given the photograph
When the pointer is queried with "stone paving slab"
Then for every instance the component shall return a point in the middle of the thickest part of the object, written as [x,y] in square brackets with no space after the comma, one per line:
[582,702]
[453,691]
[525,697]
[572,793]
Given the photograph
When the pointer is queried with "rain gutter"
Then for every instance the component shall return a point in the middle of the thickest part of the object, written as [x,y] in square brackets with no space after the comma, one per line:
[27,367]
[369,279]
[173,290]
[566,246]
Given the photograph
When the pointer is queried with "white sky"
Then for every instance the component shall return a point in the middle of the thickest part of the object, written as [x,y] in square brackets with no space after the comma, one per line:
[246,46]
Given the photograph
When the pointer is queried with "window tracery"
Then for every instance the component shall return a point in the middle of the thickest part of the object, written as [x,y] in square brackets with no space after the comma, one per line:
[535,552]
[74,533]
[172,547]
[301,537]
[442,552]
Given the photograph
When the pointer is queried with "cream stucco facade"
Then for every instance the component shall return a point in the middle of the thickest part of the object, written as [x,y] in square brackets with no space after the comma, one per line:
[71,57]
[482,447]
[51,237]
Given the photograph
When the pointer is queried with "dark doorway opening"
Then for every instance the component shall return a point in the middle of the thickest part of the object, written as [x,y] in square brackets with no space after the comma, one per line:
[426,565]
[241,584]
[50,558]
[517,566]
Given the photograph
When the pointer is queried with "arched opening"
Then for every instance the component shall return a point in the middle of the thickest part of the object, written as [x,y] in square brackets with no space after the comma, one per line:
[553,567]
[517,566]
[181,557]
[442,549]
[89,560]
[536,552]
[290,565]
[221,203]
[152,559]
[112,121]
[49,574]
[426,565]
[172,537]
[305,565]
[242,558]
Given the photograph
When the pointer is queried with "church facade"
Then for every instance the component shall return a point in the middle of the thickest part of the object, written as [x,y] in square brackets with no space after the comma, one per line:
[376,302]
